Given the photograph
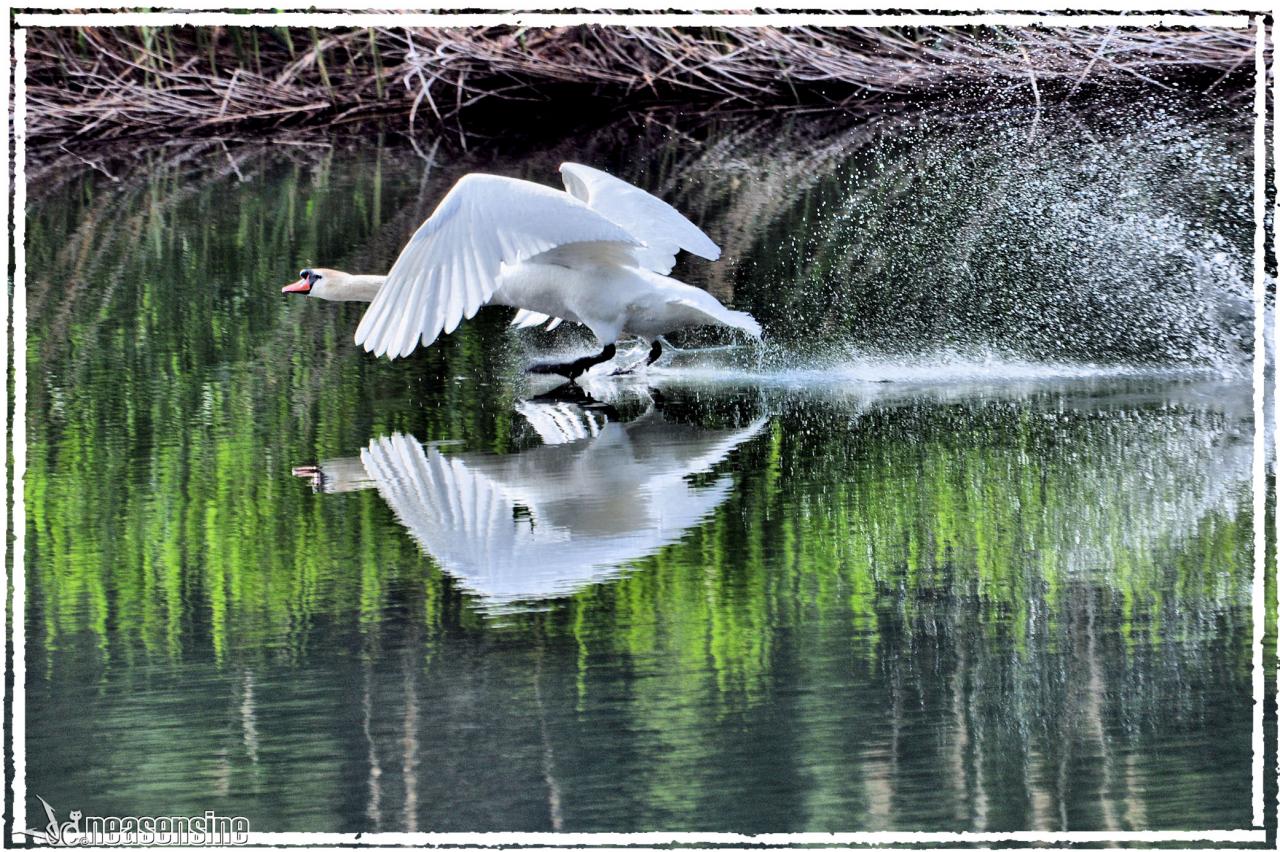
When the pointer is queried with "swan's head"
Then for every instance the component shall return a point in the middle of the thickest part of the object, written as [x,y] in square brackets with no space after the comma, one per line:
[335,475]
[313,474]
[335,286]
[316,282]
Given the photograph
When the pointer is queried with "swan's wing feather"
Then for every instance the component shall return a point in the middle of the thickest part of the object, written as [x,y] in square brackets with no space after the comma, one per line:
[533,319]
[662,228]
[528,319]
[590,256]
[451,265]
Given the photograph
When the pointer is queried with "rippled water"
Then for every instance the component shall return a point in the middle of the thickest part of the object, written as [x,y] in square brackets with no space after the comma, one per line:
[966,545]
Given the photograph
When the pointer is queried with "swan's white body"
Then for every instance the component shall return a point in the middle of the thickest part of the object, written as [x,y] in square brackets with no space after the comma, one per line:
[610,298]
[597,253]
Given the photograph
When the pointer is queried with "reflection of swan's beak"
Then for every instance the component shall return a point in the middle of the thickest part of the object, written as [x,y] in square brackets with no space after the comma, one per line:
[311,473]
[337,475]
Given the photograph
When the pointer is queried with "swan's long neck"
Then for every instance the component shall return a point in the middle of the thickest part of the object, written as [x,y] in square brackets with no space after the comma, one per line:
[359,288]
[334,285]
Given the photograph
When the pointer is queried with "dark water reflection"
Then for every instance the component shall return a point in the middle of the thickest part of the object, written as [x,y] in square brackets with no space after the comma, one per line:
[787,599]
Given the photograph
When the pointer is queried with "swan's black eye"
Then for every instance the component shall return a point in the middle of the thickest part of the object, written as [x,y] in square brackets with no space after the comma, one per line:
[313,277]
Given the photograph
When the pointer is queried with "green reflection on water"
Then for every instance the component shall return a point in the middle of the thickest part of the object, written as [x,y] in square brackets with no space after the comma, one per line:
[921,606]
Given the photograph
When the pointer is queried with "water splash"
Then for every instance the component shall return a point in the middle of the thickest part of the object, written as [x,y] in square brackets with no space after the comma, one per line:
[1047,244]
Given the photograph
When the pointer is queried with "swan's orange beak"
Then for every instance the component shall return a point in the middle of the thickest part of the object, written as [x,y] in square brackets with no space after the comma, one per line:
[302,285]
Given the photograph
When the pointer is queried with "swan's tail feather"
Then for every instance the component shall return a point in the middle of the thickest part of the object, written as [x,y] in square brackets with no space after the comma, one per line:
[711,312]
[744,321]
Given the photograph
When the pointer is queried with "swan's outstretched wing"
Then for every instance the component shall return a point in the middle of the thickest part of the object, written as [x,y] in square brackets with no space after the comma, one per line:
[660,226]
[450,267]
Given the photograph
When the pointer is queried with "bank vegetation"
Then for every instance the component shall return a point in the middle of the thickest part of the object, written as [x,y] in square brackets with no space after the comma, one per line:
[90,85]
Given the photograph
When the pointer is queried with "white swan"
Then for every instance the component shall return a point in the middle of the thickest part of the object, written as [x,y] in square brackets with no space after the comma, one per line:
[514,528]
[597,253]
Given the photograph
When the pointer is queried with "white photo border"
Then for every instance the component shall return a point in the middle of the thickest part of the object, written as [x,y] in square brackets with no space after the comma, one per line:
[337,13]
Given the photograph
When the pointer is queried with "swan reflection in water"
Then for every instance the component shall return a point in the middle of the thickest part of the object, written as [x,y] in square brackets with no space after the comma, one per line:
[549,521]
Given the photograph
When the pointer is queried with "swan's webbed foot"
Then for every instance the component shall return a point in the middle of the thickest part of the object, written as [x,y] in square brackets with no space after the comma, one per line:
[655,352]
[572,369]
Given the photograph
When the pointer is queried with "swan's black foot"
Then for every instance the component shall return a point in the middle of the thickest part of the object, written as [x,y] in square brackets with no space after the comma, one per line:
[572,369]
[655,352]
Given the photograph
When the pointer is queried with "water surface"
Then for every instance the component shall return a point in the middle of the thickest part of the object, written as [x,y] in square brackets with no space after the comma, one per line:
[966,545]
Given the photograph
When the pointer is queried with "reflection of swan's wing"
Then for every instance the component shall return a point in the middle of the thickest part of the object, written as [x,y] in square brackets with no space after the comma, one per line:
[451,265]
[562,422]
[716,451]
[683,450]
[662,228]
[455,514]
[469,523]
[467,511]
